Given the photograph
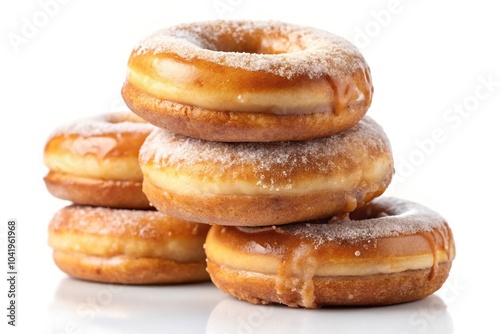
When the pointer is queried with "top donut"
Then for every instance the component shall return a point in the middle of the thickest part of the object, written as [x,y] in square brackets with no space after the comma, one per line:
[243,81]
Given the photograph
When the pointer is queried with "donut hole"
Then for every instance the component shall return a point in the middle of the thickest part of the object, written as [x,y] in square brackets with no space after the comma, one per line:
[257,42]
[369,211]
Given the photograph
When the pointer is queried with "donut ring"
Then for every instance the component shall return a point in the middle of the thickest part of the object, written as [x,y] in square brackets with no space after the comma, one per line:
[94,161]
[390,251]
[248,81]
[127,246]
[255,184]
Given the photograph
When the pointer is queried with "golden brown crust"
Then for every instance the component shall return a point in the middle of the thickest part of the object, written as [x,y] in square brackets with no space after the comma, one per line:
[382,289]
[101,146]
[231,126]
[258,210]
[390,251]
[97,192]
[260,184]
[151,226]
[94,161]
[126,270]
[127,246]
[248,81]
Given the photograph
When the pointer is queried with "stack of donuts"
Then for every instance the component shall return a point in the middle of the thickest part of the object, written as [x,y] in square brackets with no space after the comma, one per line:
[262,134]
[111,234]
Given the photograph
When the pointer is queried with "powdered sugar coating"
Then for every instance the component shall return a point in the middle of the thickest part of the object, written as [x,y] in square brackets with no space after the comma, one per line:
[165,148]
[386,217]
[306,51]
[110,123]
[144,223]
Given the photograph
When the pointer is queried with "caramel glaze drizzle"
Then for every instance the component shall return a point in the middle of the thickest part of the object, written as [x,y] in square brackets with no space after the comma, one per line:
[339,102]
[297,270]
[438,237]
[343,91]
[295,276]
[106,145]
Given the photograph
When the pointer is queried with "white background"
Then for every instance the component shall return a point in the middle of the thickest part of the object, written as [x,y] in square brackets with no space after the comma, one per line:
[429,60]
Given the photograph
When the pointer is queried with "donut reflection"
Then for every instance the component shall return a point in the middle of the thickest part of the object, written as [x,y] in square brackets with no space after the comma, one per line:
[428,315]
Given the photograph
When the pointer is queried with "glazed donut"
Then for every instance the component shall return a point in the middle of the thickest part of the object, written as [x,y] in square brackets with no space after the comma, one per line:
[127,246]
[94,161]
[255,184]
[390,251]
[248,81]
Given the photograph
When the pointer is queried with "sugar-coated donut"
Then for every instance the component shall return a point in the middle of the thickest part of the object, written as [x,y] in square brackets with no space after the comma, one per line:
[94,161]
[248,81]
[255,184]
[127,246]
[390,251]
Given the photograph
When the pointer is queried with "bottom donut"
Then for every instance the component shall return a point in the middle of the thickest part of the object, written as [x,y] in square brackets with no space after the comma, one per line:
[387,252]
[127,246]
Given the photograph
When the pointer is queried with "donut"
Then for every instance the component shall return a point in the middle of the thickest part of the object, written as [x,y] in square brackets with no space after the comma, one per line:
[93,161]
[387,252]
[127,246]
[242,81]
[273,183]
